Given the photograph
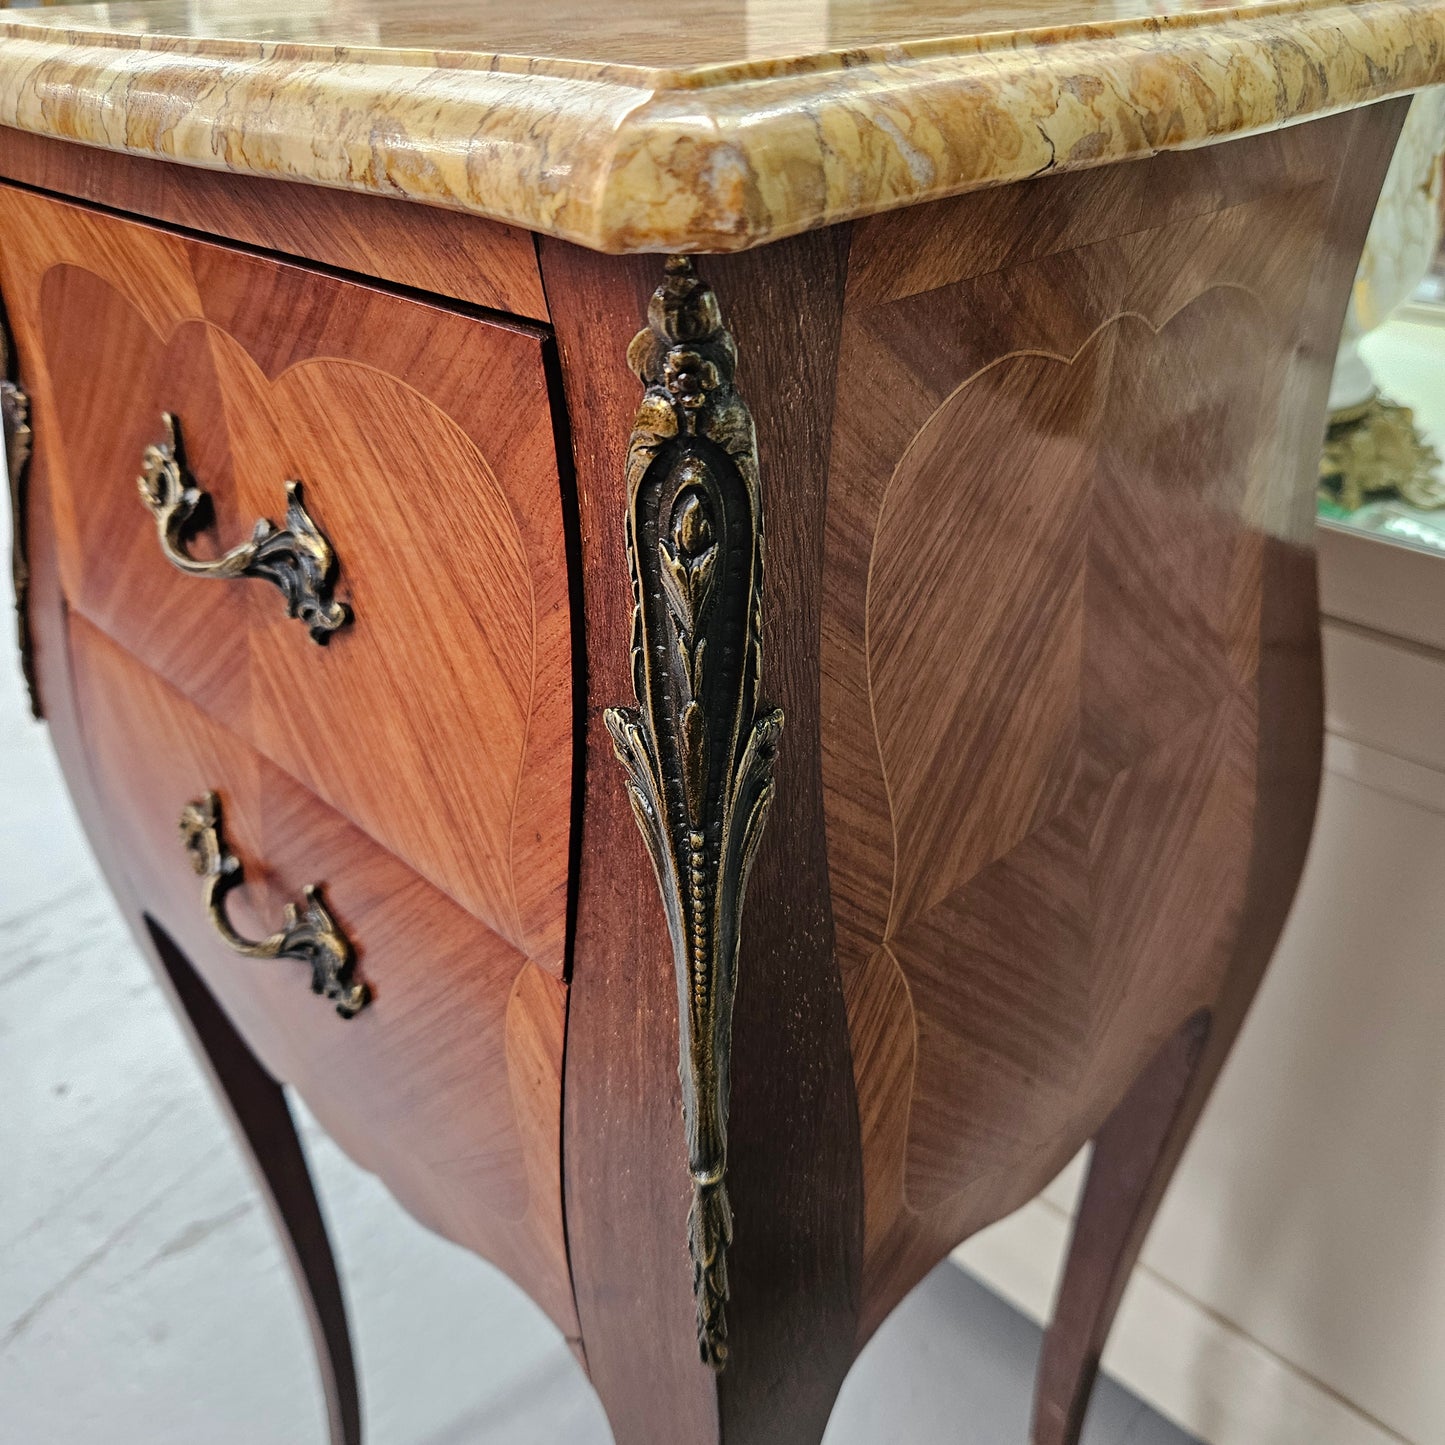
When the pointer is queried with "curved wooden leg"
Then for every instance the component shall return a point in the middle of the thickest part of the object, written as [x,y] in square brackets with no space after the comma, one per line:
[1136,1151]
[258,1109]
[1134,1158]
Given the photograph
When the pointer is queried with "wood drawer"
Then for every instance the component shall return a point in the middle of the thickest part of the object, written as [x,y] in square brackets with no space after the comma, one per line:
[439,720]
[448,1083]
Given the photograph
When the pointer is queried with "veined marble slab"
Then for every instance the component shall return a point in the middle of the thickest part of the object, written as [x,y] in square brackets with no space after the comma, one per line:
[711,125]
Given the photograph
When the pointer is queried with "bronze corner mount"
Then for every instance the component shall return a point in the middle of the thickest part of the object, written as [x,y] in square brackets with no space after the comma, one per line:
[699,747]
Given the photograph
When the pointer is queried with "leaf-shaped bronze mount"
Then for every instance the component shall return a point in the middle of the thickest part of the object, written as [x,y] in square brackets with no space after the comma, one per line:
[699,748]
[309,932]
[296,558]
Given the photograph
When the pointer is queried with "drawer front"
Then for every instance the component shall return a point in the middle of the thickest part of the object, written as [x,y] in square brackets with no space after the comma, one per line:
[439,717]
[447,1083]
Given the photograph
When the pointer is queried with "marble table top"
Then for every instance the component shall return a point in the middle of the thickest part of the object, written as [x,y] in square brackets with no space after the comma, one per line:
[711,125]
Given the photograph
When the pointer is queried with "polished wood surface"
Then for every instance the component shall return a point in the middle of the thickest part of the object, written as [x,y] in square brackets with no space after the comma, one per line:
[1065,573]
[1039,604]
[440,720]
[463,257]
[1059,495]
[448,1084]
[255,1113]
[1113,1217]
[264,1122]
[792,1146]
[1133,1162]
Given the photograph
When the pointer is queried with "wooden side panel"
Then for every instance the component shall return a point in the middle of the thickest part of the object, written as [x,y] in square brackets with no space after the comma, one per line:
[440,720]
[1072,457]
[448,1085]
[465,257]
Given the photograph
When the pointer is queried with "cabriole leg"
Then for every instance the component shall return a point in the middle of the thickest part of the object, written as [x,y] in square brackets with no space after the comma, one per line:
[1134,1157]
[257,1106]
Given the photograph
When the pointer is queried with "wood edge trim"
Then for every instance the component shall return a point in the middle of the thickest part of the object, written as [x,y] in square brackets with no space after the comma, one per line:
[523,311]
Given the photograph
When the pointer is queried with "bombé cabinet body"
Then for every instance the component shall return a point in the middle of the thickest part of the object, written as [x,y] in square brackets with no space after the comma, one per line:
[763,813]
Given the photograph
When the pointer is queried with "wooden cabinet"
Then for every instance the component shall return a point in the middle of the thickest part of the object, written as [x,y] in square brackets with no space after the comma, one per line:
[812,727]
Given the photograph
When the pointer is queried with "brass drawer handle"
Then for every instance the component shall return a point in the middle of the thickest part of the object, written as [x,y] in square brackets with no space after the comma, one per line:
[296,558]
[310,932]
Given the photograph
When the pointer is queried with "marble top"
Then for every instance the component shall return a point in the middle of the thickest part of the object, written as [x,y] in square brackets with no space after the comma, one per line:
[702,125]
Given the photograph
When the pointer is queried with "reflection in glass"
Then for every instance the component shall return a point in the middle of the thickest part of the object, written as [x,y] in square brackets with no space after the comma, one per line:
[1382,467]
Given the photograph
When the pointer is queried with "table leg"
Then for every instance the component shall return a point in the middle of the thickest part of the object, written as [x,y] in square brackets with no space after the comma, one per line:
[1140,1144]
[1133,1160]
[264,1126]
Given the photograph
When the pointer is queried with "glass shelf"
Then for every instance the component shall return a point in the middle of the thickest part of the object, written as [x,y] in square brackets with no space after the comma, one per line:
[1406,357]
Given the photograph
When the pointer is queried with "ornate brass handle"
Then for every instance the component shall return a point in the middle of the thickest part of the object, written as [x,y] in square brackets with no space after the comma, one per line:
[296,558]
[310,932]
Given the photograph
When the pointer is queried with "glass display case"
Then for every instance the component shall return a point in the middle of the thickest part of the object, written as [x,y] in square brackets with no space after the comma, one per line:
[1383,467]
[1382,473]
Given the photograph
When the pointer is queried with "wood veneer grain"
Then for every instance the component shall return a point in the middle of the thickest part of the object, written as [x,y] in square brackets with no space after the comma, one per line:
[247,1097]
[1132,1164]
[440,720]
[448,1084]
[1066,480]
[793,1163]
[1040,608]
[467,258]
[626,1182]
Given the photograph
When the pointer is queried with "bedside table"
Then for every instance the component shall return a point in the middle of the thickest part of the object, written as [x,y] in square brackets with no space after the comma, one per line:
[734,596]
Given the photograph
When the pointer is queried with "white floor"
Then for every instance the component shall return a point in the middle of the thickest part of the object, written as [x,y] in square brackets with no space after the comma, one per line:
[144,1299]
